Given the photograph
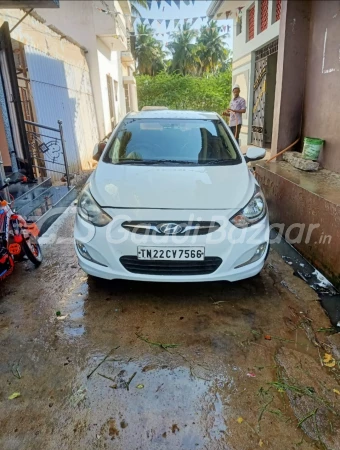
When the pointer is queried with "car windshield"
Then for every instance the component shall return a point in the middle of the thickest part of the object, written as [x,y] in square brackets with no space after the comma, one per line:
[172,141]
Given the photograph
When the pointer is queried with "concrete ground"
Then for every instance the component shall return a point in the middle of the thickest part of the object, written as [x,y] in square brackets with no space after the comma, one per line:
[156,366]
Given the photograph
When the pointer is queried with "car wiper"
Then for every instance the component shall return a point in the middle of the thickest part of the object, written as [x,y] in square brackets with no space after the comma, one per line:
[153,161]
[217,161]
[172,161]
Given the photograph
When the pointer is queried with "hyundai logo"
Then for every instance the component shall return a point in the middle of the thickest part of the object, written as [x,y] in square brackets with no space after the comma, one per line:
[170,228]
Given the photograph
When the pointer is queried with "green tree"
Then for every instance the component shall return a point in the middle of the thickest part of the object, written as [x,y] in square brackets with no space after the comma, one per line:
[134,7]
[211,49]
[209,93]
[184,50]
[149,53]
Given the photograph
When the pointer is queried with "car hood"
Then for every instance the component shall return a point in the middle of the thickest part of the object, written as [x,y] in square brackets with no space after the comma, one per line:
[172,187]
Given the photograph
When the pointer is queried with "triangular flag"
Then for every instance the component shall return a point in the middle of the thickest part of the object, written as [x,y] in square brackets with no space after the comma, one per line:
[149,2]
[142,19]
[178,3]
[167,23]
[203,17]
[187,2]
[210,18]
[160,21]
[168,2]
[193,2]
[219,14]
[176,21]
[194,20]
[162,34]
[228,28]
[186,20]
[224,27]
[240,8]
[150,21]
[159,3]
[227,14]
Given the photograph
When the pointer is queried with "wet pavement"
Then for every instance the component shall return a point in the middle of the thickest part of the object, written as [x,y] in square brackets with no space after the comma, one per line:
[124,366]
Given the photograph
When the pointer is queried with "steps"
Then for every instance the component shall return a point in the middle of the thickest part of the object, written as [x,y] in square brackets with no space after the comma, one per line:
[41,202]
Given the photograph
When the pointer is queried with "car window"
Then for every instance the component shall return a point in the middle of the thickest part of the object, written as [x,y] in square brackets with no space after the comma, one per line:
[156,141]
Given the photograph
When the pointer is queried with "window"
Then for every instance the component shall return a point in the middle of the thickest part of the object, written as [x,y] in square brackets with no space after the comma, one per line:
[239,23]
[264,15]
[251,22]
[127,97]
[277,10]
[172,141]
[116,90]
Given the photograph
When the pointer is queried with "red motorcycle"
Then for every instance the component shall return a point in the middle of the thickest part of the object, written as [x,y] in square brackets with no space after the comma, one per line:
[18,238]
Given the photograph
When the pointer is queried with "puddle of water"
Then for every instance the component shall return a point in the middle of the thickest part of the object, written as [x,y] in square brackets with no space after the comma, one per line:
[173,408]
[72,307]
[74,331]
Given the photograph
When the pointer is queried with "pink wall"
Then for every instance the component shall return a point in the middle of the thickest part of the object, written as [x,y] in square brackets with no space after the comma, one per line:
[321,116]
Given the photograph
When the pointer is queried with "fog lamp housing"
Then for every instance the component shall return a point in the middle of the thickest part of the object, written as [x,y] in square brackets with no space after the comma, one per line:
[82,249]
[259,252]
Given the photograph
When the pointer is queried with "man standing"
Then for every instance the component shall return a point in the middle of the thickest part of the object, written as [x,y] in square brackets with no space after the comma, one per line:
[236,108]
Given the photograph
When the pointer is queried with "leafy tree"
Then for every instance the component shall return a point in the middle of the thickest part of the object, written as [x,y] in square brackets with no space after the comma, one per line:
[211,50]
[184,50]
[209,93]
[134,7]
[149,53]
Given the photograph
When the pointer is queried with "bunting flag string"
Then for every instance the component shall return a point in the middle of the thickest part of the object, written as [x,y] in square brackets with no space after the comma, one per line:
[176,22]
[169,33]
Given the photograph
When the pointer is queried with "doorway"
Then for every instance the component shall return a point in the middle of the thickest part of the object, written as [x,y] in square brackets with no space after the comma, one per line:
[264,95]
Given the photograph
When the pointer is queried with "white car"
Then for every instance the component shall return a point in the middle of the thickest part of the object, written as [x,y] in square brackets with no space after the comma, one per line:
[172,199]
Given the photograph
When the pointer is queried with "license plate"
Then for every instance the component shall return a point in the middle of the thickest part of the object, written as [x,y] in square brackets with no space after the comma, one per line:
[171,253]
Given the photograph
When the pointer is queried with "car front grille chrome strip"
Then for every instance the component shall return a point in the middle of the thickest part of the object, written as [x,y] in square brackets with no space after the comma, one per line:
[171,228]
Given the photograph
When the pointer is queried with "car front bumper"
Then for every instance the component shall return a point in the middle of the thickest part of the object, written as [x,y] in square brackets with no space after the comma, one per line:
[107,245]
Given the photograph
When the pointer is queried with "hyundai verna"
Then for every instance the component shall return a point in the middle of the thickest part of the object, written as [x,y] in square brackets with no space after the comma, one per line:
[172,199]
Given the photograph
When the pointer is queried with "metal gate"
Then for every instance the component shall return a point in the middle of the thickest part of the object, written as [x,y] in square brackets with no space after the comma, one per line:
[259,99]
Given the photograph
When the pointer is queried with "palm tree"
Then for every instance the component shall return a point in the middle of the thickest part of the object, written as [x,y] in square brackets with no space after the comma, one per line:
[149,53]
[212,49]
[184,50]
[134,6]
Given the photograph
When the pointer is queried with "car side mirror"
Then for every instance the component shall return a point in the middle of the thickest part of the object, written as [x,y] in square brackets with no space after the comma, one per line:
[254,154]
[98,150]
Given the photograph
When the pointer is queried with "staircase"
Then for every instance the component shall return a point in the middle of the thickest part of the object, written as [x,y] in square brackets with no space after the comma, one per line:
[41,202]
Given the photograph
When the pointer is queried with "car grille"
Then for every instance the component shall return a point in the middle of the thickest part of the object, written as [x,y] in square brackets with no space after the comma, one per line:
[160,267]
[187,228]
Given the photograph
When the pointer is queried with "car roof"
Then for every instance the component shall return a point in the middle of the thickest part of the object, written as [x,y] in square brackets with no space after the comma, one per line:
[174,114]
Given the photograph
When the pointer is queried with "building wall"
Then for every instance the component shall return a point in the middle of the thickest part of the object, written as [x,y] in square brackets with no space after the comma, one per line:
[61,86]
[243,52]
[83,22]
[242,76]
[322,95]
[242,46]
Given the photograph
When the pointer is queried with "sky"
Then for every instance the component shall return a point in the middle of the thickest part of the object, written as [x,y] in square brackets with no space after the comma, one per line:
[186,11]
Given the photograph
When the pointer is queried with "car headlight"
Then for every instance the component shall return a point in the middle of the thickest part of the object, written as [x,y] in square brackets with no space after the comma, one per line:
[252,213]
[89,210]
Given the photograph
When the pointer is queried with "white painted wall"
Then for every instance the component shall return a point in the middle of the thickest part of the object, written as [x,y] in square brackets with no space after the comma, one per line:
[81,21]
[60,81]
